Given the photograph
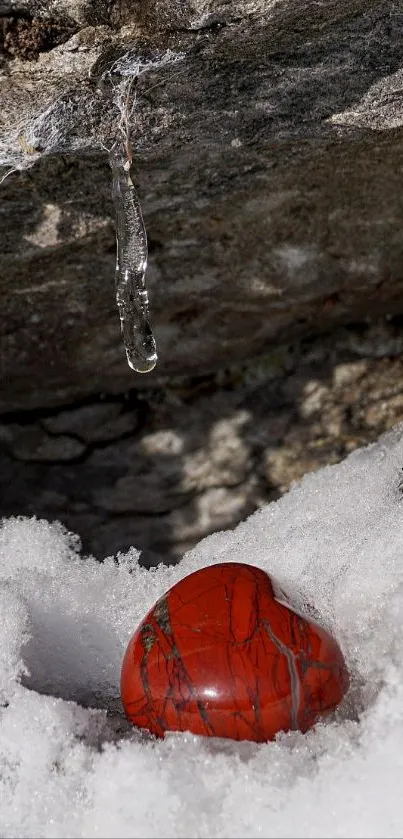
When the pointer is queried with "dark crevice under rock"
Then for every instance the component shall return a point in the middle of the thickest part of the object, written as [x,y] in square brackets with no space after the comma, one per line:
[160,469]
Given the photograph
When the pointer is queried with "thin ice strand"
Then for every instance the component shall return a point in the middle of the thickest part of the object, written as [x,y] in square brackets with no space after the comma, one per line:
[131,264]
[132,253]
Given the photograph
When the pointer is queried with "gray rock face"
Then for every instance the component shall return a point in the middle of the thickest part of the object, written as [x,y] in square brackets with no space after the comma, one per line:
[266,161]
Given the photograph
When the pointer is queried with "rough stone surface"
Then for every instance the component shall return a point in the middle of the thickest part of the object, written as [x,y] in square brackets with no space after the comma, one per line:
[266,161]
[202,455]
[30,442]
[96,423]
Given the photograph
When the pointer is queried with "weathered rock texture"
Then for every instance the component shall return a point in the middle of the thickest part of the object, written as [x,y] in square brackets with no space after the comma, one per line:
[268,161]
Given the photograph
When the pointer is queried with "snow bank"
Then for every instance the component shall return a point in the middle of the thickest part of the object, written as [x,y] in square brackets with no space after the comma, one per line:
[71,766]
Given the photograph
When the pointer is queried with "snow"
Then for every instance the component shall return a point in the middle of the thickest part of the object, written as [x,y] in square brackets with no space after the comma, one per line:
[71,766]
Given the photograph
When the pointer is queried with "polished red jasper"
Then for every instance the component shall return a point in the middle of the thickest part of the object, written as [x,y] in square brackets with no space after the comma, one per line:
[219,655]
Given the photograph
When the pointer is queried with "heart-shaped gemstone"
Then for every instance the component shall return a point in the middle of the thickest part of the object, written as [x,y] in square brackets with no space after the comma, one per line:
[219,655]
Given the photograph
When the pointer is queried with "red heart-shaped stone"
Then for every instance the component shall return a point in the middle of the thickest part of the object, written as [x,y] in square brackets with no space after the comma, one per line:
[219,655]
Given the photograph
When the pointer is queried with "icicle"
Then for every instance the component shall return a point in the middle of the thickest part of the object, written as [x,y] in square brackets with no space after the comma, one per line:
[131,264]
[131,260]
